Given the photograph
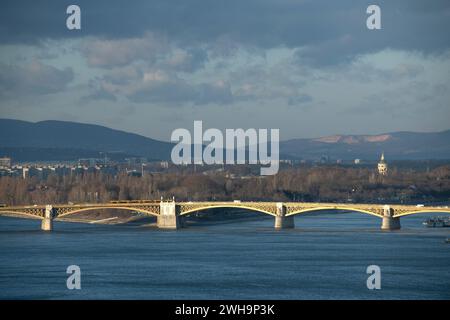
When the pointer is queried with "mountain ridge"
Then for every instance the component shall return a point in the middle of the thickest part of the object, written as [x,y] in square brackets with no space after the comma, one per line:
[23,139]
[74,135]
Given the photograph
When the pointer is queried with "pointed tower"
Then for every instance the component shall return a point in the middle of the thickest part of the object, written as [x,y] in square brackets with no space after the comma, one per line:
[382,166]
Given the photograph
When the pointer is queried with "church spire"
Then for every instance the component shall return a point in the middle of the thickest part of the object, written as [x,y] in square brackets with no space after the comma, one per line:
[382,165]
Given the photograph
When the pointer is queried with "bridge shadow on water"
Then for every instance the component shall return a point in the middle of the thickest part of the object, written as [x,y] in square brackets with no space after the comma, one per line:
[217,216]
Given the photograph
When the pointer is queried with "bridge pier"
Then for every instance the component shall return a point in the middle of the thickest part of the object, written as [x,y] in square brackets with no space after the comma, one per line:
[389,222]
[47,221]
[281,221]
[169,216]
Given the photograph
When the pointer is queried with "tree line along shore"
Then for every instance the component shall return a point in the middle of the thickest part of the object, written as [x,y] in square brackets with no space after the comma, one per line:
[326,184]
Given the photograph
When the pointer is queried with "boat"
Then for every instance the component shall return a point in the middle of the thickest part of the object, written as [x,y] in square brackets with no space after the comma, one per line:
[437,222]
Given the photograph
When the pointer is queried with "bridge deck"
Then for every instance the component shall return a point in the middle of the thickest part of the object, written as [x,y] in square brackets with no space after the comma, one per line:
[184,208]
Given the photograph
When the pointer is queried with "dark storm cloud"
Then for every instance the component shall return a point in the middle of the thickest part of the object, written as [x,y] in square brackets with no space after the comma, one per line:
[329,31]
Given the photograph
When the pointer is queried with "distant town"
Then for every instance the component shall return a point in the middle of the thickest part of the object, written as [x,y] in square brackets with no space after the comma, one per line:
[131,166]
[138,166]
[102,179]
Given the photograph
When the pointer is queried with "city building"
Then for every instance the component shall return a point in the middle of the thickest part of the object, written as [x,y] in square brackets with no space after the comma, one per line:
[5,162]
[164,164]
[91,162]
[135,161]
[382,166]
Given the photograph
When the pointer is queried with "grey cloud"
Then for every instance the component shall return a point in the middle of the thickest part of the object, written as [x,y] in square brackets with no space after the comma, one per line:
[328,53]
[441,89]
[179,92]
[188,60]
[147,85]
[318,26]
[33,78]
[107,53]
[260,83]
[149,51]
[99,94]
[300,99]
[158,82]
[367,72]
[403,70]
[123,75]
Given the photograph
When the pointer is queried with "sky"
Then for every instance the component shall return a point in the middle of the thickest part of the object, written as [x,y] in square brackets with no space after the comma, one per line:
[310,68]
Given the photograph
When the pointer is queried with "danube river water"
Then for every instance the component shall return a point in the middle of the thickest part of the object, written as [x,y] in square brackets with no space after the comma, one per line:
[324,257]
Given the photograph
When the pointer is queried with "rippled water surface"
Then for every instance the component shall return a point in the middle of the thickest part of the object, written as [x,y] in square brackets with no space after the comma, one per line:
[324,257]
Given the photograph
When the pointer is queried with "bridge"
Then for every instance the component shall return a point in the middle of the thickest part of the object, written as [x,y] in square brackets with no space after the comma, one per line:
[169,214]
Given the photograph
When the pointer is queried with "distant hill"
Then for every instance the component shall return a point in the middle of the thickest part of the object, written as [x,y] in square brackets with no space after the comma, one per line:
[397,145]
[60,140]
[63,141]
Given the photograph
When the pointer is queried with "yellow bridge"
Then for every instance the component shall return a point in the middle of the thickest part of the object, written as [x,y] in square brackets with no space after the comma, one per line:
[169,213]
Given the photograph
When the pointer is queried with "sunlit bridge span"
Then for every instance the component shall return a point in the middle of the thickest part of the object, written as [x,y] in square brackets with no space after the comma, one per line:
[170,214]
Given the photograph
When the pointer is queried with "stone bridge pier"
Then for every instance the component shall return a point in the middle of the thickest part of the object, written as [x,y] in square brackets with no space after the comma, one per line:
[389,222]
[281,220]
[169,217]
[47,221]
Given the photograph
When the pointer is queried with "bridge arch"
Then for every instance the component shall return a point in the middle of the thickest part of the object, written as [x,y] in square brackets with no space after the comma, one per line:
[334,208]
[78,210]
[225,206]
[18,214]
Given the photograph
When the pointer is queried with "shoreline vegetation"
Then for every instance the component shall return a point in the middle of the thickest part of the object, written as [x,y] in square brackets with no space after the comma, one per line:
[300,184]
[305,184]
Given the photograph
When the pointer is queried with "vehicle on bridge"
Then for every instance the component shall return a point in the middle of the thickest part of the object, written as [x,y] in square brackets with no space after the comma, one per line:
[134,201]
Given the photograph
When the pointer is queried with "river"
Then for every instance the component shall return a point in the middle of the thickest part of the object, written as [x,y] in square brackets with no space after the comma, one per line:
[324,257]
